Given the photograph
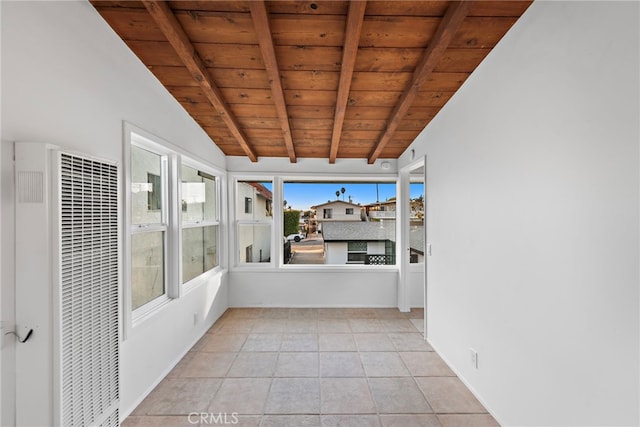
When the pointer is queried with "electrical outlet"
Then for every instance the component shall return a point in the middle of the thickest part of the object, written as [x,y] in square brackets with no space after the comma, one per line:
[474,358]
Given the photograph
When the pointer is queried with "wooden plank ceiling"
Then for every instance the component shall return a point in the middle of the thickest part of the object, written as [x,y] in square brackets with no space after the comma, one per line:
[323,79]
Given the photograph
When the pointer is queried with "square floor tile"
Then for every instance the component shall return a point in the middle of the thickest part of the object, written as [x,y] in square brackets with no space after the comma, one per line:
[194,394]
[262,342]
[300,326]
[398,396]
[156,420]
[340,364]
[222,342]
[332,313]
[336,342]
[265,326]
[250,364]
[243,313]
[465,420]
[421,420]
[275,313]
[204,364]
[426,364]
[177,370]
[243,421]
[297,364]
[373,342]
[389,313]
[346,396]
[290,421]
[409,342]
[449,395]
[397,325]
[419,324]
[383,364]
[299,342]
[350,421]
[365,325]
[415,313]
[294,396]
[244,396]
[236,326]
[303,313]
[334,326]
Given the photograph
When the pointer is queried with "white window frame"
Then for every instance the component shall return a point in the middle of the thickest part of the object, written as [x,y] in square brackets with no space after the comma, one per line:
[275,251]
[174,288]
[145,142]
[277,226]
[191,284]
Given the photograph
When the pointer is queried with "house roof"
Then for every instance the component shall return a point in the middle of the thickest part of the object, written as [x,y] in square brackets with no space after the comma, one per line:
[321,79]
[340,231]
[262,190]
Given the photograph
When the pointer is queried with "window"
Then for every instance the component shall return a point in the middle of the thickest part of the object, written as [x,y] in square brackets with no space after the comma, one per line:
[356,252]
[148,226]
[338,216]
[173,224]
[199,222]
[254,218]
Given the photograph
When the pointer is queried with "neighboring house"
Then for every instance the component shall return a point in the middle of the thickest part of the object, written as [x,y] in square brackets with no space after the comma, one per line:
[255,202]
[350,242]
[338,210]
[381,210]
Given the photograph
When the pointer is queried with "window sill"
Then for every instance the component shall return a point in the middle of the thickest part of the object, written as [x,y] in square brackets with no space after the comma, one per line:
[202,279]
[145,312]
[322,268]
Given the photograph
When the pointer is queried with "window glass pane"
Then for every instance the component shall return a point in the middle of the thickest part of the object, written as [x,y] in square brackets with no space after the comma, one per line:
[254,243]
[357,246]
[199,251]
[147,267]
[254,200]
[340,218]
[198,195]
[416,222]
[146,187]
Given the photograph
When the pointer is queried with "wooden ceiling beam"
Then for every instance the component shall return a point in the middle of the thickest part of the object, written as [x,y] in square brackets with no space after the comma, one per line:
[176,36]
[263,32]
[355,18]
[447,29]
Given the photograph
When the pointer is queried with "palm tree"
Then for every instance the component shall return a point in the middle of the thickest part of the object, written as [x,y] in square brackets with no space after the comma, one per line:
[338,194]
[342,190]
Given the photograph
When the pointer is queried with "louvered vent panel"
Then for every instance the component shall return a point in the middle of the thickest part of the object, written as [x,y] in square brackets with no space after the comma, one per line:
[89,292]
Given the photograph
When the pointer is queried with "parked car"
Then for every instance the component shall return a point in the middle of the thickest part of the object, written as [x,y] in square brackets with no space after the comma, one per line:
[295,237]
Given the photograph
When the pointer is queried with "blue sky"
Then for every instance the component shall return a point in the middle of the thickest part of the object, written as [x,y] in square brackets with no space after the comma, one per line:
[303,195]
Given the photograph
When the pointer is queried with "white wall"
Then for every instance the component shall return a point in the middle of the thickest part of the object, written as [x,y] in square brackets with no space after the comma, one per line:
[68,80]
[313,287]
[309,286]
[533,215]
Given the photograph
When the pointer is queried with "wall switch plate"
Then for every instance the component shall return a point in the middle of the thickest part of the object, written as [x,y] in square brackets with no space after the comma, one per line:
[428,249]
[195,319]
[474,358]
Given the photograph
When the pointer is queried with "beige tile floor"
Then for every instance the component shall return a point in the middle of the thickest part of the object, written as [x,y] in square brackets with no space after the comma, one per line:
[312,367]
